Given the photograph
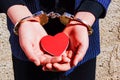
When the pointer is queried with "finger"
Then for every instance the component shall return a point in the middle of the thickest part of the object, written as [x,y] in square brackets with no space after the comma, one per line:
[44,68]
[47,67]
[56,59]
[62,67]
[29,52]
[37,50]
[65,59]
[79,54]
[70,54]
[45,58]
[65,53]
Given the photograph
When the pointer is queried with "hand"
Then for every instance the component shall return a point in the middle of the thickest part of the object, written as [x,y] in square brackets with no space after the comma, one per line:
[30,34]
[63,65]
[79,41]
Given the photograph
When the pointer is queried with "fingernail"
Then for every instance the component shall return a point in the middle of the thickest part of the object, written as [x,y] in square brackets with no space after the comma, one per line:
[36,63]
[43,69]
[75,63]
[69,60]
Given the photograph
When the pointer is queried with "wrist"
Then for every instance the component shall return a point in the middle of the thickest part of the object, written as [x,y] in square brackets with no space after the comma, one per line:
[81,23]
[40,17]
[17,12]
[26,26]
[81,18]
[87,17]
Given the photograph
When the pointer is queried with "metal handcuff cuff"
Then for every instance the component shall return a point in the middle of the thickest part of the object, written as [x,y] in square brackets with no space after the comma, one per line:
[43,19]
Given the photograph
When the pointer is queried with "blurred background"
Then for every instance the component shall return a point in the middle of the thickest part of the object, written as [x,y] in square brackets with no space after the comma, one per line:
[108,62]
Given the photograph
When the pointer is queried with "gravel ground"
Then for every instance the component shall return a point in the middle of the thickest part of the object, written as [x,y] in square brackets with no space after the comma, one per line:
[108,62]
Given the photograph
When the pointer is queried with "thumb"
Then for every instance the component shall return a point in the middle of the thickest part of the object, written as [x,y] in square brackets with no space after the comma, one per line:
[81,51]
[30,53]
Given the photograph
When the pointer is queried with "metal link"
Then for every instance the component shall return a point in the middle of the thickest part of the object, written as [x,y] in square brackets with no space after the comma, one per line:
[38,13]
[53,15]
[68,15]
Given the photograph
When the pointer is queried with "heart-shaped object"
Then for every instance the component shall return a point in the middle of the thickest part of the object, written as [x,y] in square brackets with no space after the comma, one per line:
[55,45]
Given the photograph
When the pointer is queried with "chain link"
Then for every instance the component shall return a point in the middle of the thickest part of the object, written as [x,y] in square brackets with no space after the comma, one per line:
[53,15]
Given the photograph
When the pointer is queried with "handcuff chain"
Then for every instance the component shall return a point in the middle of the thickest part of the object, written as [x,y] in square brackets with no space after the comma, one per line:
[53,15]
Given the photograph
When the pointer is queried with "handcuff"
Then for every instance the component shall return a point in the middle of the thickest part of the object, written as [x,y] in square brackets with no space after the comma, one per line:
[43,18]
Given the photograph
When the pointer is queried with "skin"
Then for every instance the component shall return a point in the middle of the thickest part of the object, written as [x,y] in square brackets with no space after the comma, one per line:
[79,43]
[30,34]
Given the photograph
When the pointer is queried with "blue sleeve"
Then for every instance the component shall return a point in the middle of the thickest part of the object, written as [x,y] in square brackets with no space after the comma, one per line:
[5,4]
[105,4]
[97,7]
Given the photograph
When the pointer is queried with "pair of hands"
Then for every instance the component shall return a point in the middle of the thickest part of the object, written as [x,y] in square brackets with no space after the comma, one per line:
[30,34]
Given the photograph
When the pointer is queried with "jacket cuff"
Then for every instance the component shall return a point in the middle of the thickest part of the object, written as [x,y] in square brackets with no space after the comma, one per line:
[6,4]
[93,7]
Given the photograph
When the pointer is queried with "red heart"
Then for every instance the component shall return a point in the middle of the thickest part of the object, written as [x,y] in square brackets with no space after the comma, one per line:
[55,45]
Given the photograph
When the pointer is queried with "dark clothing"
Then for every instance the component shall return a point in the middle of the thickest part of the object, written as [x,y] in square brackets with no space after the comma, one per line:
[5,4]
[87,5]
[28,71]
